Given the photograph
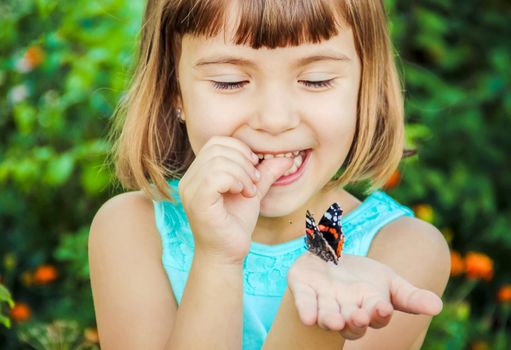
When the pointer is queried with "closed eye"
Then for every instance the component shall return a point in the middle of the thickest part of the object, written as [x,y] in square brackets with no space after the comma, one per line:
[318,84]
[220,85]
[239,84]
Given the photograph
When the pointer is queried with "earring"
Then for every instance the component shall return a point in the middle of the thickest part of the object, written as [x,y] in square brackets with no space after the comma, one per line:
[179,115]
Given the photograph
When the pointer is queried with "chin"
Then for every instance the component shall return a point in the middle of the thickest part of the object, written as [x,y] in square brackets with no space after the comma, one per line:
[272,207]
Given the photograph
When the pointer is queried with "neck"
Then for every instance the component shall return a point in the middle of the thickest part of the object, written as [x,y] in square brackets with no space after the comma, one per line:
[276,230]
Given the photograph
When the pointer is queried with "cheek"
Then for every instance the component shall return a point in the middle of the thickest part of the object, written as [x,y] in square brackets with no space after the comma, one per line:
[333,117]
[334,121]
[212,116]
[336,140]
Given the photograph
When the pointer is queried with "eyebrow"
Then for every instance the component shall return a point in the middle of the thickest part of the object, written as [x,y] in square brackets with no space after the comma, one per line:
[327,56]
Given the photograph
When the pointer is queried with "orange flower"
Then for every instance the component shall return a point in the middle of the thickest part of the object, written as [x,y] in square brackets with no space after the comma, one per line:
[45,274]
[479,265]
[457,265]
[393,180]
[504,294]
[91,335]
[424,212]
[34,56]
[21,312]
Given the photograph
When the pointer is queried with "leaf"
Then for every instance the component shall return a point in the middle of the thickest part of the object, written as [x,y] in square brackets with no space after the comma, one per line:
[5,295]
[59,169]
[5,321]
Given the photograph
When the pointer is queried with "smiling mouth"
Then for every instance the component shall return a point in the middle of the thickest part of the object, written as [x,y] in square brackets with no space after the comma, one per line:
[296,170]
[291,155]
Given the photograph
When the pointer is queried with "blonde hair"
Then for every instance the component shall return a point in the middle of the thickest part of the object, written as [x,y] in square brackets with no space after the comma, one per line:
[152,145]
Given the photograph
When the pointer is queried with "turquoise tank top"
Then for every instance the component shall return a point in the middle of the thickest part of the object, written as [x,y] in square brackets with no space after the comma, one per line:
[265,267]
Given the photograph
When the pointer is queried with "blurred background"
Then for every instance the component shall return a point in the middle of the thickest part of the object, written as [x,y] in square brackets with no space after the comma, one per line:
[65,64]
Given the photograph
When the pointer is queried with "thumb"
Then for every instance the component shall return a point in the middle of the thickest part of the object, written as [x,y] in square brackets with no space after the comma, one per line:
[271,169]
[407,298]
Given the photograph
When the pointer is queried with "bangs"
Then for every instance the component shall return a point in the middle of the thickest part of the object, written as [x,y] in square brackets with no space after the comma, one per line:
[262,23]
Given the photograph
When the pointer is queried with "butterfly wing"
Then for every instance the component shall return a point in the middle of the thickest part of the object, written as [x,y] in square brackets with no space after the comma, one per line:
[330,227]
[316,242]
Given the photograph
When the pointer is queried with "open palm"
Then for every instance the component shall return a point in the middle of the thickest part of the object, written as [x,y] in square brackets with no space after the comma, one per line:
[358,293]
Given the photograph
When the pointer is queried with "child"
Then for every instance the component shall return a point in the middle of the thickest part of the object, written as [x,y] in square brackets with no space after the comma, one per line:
[240,115]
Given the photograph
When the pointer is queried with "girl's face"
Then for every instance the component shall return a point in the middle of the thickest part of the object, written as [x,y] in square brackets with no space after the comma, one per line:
[291,98]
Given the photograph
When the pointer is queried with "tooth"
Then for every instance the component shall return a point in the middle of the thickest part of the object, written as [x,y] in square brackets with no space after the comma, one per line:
[292,170]
[291,155]
[298,161]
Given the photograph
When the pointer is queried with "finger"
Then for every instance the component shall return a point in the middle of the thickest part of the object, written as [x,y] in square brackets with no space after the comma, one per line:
[378,310]
[271,169]
[329,316]
[224,164]
[209,160]
[306,303]
[407,298]
[236,144]
[236,156]
[356,320]
[209,149]
[227,181]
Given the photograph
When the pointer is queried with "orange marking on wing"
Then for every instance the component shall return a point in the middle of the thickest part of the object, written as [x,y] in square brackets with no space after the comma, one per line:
[339,247]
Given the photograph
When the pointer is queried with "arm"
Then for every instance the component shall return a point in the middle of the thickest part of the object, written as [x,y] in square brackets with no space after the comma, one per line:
[134,304]
[414,250]
[210,313]
[417,251]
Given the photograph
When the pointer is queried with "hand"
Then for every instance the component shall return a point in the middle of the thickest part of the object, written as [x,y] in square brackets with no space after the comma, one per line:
[358,293]
[218,200]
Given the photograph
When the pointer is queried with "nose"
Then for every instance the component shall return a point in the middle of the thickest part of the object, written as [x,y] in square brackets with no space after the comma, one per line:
[276,110]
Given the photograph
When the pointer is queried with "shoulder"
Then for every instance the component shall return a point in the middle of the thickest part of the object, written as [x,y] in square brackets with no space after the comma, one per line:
[416,250]
[125,202]
[132,296]
[126,216]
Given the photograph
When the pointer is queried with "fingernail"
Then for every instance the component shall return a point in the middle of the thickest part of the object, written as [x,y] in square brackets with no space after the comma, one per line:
[257,174]
[255,157]
[254,188]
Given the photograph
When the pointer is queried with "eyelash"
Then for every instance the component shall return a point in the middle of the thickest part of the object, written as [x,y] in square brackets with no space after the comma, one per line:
[231,86]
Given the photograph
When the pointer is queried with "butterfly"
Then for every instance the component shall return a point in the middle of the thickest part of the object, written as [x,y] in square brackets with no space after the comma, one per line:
[326,239]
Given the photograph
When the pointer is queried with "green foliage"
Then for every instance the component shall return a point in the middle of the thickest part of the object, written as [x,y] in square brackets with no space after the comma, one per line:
[454,58]
[72,250]
[59,335]
[5,297]
[64,66]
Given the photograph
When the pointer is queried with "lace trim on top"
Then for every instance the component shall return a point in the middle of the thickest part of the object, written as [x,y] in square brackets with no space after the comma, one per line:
[266,266]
